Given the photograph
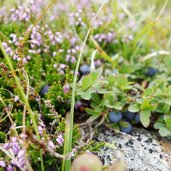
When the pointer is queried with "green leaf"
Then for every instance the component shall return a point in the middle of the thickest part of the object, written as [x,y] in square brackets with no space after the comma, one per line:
[91,111]
[117,106]
[133,108]
[109,100]
[111,81]
[86,82]
[164,132]
[102,91]
[95,98]
[158,125]
[167,101]
[90,79]
[86,95]
[98,109]
[139,100]
[148,91]
[122,81]
[147,106]
[163,108]
[145,118]
[167,120]
[95,74]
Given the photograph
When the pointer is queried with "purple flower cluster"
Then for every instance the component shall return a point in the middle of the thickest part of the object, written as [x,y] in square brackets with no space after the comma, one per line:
[14,148]
[127,38]
[12,53]
[104,20]
[2,14]
[76,18]
[109,37]
[41,127]
[8,49]
[36,38]
[54,38]
[36,6]
[66,88]
[60,140]
[20,14]
[81,3]
[60,68]
[71,54]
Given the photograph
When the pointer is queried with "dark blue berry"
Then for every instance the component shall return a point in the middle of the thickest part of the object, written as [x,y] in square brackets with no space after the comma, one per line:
[137,118]
[44,90]
[115,117]
[84,69]
[151,71]
[129,116]
[127,128]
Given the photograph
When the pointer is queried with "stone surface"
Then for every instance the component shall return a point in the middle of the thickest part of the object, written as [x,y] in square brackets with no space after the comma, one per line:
[141,150]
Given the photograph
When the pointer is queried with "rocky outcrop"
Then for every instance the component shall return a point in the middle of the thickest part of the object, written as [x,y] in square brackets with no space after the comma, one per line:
[141,150]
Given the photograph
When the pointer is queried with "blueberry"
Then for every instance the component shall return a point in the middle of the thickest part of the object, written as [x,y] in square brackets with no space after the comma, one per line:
[115,117]
[151,71]
[137,118]
[84,69]
[127,128]
[44,90]
[129,116]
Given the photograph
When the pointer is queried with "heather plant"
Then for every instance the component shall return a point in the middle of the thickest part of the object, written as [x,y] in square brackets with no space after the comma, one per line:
[68,67]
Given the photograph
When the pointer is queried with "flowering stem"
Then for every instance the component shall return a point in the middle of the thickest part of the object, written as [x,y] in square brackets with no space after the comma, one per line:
[26,36]
[17,81]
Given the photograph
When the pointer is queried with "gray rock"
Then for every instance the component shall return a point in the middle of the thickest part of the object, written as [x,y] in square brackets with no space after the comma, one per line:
[141,150]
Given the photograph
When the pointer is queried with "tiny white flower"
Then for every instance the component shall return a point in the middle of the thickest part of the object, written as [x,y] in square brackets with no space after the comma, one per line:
[16,98]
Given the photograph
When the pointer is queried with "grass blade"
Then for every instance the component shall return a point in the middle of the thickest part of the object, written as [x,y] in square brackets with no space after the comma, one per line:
[69,130]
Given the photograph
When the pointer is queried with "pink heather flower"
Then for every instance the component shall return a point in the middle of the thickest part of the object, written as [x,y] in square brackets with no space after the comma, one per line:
[42,124]
[63,66]
[66,88]
[60,140]
[15,57]
[77,104]
[14,38]
[9,51]
[55,65]
[36,38]
[14,161]
[67,58]
[16,98]
[21,162]
[21,154]
[73,41]
[4,45]
[2,163]
[15,148]
[60,71]
[40,129]
[28,57]
[73,60]
[7,145]
[9,168]
[98,63]
[14,139]
[54,54]
[51,145]
[24,60]
[20,14]
[2,12]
